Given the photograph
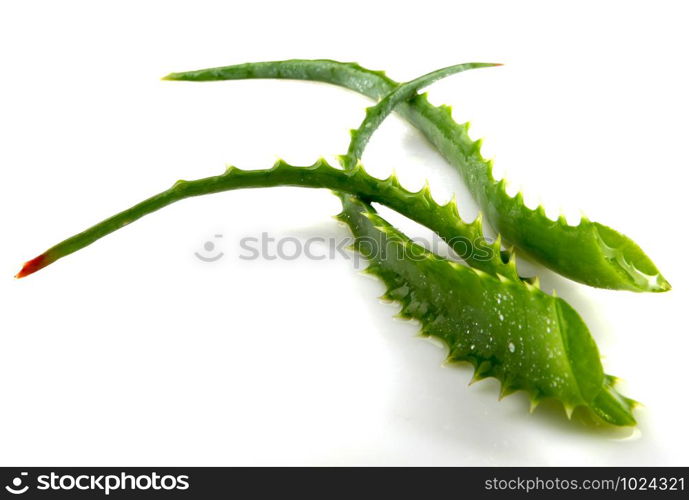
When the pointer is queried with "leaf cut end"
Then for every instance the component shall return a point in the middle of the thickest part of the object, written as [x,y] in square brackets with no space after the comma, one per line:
[33,265]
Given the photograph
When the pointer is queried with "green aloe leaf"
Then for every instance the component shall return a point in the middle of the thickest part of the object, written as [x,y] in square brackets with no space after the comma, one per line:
[466,239]
[508,330]
[589,252]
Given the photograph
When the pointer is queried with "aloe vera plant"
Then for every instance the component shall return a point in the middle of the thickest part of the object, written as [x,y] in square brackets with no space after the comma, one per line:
[590,252]
[486,313]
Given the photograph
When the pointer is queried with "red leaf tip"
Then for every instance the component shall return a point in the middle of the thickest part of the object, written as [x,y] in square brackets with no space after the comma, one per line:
[32,266]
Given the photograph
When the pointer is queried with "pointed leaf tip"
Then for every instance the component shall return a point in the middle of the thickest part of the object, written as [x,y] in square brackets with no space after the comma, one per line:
[662,285]
[32,266]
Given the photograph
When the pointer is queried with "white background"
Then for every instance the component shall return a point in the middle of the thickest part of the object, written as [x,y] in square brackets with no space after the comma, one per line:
[134,352]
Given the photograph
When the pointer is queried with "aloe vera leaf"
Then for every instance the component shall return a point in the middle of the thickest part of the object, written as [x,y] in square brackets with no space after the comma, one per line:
[375,115]
[527,340]
[590,252]
[465,238]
